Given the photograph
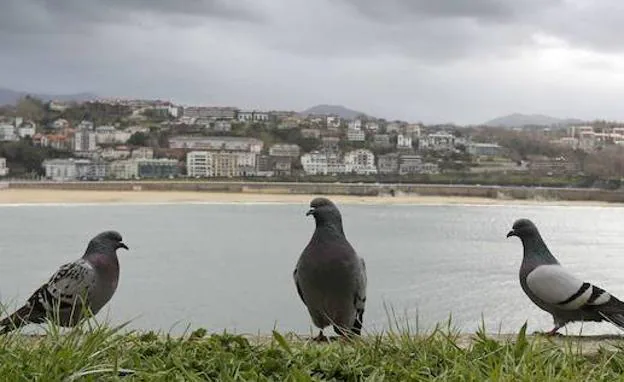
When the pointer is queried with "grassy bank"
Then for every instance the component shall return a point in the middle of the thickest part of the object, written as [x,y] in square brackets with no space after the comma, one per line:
[101,353]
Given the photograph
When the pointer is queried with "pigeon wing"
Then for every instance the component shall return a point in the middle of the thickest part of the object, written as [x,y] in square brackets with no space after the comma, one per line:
[554,285]
[297,285]
[359,300]
[70,283]
[360,293]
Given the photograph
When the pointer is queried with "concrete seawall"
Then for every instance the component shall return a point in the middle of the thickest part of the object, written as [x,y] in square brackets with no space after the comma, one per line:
[492,192]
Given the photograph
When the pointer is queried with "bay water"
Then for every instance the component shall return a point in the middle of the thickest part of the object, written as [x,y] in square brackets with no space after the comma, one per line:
[229,266]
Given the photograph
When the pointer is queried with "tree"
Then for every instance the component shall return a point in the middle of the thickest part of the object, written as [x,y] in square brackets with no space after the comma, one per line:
[138,139]
[98,112]
[30,108]
[24,158]
[157,115]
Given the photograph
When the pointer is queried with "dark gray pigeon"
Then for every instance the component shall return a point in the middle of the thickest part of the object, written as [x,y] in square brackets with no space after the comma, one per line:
[557,291]
[330,277]
[88,282]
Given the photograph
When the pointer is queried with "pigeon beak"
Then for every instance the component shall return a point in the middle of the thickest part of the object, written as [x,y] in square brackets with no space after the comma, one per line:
[512,233]
[310,212]
[122,245]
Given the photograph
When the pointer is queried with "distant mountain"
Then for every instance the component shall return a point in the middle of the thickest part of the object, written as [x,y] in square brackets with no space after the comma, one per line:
[10,97]
[519,120]
[338,110]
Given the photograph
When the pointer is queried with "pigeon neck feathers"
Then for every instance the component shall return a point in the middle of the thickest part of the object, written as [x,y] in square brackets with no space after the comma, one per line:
[535,249]
[99,249]
[329,222]
[329,230]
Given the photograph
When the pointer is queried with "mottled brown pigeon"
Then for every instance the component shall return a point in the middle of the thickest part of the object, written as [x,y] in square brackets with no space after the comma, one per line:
[88,282]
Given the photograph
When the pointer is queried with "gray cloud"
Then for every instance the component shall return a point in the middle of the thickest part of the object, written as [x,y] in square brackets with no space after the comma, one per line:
[480,10]
[464,61]
[594,25]
[63,16]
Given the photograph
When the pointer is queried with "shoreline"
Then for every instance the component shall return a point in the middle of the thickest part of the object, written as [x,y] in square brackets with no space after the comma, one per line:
[40,196]
[179,191]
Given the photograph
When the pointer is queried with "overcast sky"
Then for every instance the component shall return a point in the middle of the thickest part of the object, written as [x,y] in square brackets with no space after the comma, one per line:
[463,61]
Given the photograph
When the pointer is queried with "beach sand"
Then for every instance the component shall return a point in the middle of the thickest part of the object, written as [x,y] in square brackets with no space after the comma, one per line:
[39,196]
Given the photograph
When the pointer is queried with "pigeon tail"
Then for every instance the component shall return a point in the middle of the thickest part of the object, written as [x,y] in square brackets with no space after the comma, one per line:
[22,317]
[357,325]
[613,312]
[356,329]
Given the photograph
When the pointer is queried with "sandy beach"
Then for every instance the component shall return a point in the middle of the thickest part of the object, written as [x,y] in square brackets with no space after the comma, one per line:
[39,196]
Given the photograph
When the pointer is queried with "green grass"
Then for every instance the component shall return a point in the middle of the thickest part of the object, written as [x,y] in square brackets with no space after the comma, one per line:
[97,352]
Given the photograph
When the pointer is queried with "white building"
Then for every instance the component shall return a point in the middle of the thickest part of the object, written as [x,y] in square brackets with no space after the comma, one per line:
[360,161]
[438,142]
[26,129]
[137,129]
[61,169]
[110,135]
[87,125]
[174,111]
[57,106]
[209,112]
[355,124]
[89,170]
[85,140]
[220,164]
[246,162]
[333,121]
[260,116]
[322,163]
[105,134]
[60,123]
[256,116]
[124,169]
[7,133]
[216,143]
[199,164]
[404,141]
[222,126]
[356,135]
[110,153]
[285,150]
[334,164]
[414,129]
[372,126]
[143,153]
[314,163]
[245,116]
[4,170]
[485,149]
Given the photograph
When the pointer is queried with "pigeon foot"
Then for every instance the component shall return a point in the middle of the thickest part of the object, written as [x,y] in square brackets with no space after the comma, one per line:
[320,338]
[552,333]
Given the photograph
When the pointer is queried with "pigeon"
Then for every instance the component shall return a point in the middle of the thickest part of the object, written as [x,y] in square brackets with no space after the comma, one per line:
[330,277]
[88,282]
[555,290]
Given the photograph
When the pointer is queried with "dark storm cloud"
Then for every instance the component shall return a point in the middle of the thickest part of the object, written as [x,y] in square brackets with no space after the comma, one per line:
[420,30]
[72,16]
[481,10]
